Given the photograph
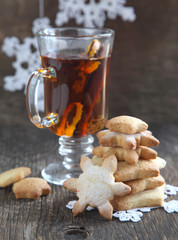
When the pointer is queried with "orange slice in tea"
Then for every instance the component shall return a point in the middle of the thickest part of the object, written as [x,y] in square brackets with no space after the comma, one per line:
[66,128]
[93,48]
[91,67]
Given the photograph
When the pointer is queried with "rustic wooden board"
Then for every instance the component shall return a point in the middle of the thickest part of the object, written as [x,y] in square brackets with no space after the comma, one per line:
[48,218]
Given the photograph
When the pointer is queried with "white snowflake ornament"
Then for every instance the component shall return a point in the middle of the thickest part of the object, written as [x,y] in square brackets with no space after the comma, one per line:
[171,190]
[130,215]
[40,23]
[10,46]
[171,206]
[93,14]
[27,57]
[89,14]
[70,204]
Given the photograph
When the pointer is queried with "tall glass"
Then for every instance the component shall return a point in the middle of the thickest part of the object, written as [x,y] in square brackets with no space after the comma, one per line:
[68,94]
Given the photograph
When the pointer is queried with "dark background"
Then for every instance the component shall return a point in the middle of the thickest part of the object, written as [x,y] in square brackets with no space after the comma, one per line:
[143,79]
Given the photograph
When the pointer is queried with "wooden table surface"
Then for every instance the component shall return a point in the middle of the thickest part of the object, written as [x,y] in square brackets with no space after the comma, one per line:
[22,144]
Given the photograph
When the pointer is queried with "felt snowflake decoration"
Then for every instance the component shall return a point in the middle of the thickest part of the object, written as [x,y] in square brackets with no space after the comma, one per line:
[40,23]
[96,186]
[171,190]
[130,215]
[93,14]
[27,56]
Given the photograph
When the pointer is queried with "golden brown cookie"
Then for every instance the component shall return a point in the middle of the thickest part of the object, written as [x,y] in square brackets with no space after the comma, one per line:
[160,162]
[13,175]
[148,198]
[143,169]
[31,188]
[126,124]
[140,185]
[127,141]
[147,153]
[96,186]
[97,161]
[100,150]
[102,133]
[130,156]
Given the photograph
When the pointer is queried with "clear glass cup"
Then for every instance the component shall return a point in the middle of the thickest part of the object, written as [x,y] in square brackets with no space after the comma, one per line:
[68,94]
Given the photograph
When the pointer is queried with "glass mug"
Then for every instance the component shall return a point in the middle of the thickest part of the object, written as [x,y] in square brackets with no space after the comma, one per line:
[72,85]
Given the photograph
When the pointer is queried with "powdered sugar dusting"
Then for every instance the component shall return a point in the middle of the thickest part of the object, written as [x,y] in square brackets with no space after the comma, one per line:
[97,180]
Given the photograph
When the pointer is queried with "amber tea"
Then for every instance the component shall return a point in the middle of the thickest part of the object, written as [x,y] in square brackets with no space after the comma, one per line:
[78,94]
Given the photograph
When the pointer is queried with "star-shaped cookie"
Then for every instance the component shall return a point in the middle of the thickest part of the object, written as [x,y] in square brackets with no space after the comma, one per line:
[96,186]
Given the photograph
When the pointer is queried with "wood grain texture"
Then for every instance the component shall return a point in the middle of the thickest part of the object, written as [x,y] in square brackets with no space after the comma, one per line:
[48,218]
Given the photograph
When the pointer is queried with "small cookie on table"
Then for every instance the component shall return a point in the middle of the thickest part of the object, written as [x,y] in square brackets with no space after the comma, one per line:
[96,186]
[13,175]
[31,188]
[126,124]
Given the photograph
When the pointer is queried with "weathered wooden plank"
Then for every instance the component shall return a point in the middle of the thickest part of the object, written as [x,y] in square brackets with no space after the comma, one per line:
[48,218]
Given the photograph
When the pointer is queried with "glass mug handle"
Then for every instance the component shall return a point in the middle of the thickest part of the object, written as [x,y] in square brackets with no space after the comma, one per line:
[32,98]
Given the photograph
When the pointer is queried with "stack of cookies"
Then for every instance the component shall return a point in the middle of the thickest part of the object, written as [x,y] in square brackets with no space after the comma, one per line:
[128,139]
